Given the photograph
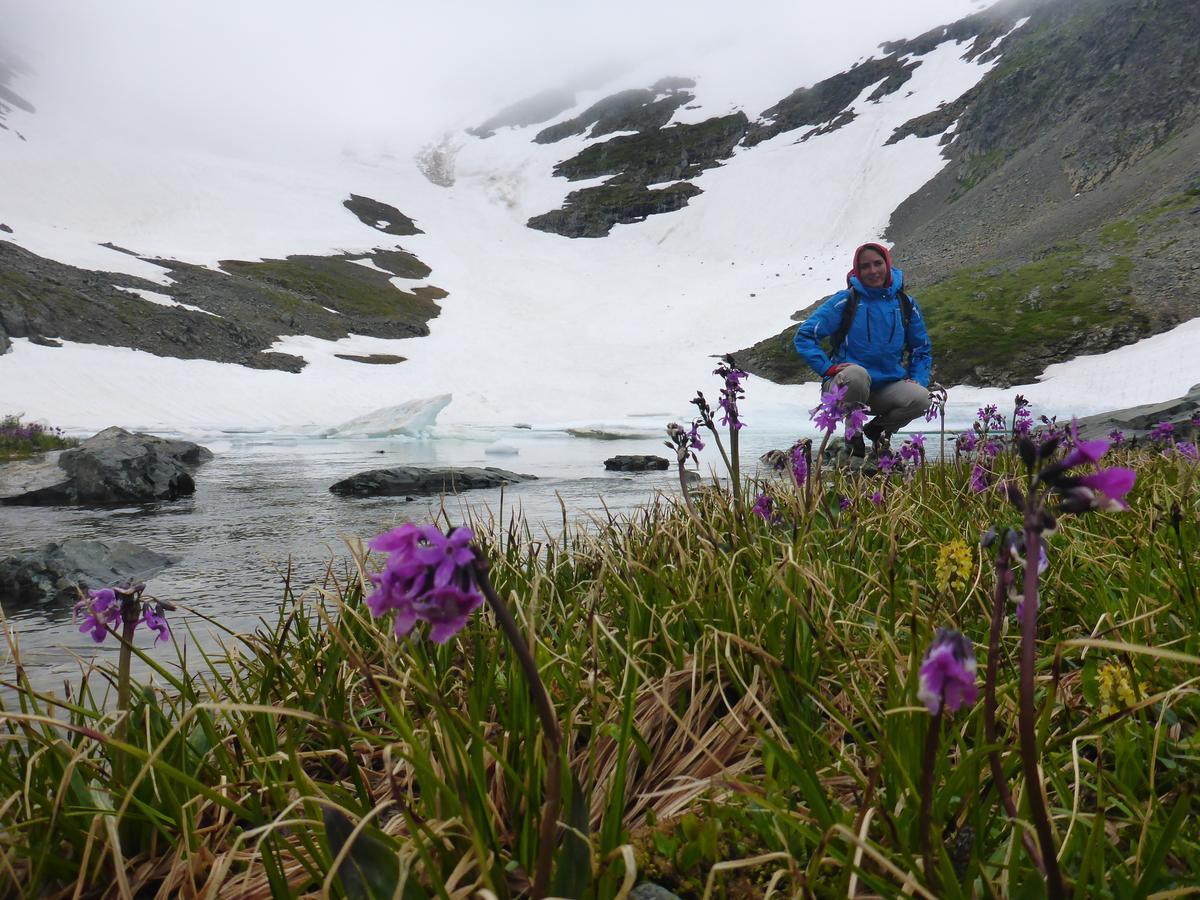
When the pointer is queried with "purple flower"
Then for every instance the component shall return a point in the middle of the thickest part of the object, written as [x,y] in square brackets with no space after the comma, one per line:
[1187,450]
[1022,417]
[731,392]
[887,462]
[447,610]
[799,465]
[979,482]
[932,412]
[693,436]
[967,441]
[877,498]
[947,677]
[764,508]
[446,555]
[855,421]
[1104,490]
[1162,431]
[153,618]
[990,417]
[428,577]
[831,410]
[1117,437]
[844,504]
[1085,452]
[102,610]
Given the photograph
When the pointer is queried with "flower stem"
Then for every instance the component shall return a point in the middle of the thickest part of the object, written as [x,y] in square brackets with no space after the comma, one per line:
[735,473]
[128,626]
[925,821]
[551,734]
[999,604]
[1028,713]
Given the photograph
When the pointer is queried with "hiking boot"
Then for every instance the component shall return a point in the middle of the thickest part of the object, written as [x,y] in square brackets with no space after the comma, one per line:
[881,441]
[857,445]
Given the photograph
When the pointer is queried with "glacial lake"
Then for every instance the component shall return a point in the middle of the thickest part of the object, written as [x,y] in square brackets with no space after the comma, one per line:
[263,504]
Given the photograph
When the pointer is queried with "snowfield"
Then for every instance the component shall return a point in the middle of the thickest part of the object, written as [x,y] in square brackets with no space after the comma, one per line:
[537,328]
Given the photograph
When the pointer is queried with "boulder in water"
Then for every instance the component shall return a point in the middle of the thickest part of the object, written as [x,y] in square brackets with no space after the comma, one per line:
[414,481]
[636,463]
[114,466]
[58,571]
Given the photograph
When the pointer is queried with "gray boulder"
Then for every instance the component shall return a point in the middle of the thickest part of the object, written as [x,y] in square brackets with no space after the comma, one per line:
[1136,421]
[413,481]
[57,571]
[114,466]
[636,463]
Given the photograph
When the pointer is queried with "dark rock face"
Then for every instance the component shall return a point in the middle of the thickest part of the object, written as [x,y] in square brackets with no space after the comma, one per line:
[113,466]
[414,481]
[636,463]
[240,311]
[534,110]
[636,161]
[632,110]
[1135,421]
[381,216]
[58,571]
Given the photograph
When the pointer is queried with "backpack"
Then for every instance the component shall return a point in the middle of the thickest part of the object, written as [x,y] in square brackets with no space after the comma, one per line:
[839,337]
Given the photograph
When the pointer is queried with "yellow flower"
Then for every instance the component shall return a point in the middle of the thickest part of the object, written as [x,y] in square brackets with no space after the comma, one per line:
[1116,688]
[954,565]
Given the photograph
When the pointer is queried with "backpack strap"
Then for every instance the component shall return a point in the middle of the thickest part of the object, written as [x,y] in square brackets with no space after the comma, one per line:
[906,309]
[839,337]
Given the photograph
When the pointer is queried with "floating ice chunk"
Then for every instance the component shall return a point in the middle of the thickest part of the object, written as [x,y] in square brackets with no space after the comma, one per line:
[412,417]
[501,448]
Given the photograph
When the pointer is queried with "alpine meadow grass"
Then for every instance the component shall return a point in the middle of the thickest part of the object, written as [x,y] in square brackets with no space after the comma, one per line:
[747,705]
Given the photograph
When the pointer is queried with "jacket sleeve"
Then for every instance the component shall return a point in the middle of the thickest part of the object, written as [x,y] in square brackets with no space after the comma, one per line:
[821,324]
[920,355]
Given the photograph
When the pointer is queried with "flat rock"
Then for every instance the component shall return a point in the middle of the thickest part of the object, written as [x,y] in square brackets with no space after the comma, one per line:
[114,466]
[57,571]
[636,463]
[416,481]
[1136,421]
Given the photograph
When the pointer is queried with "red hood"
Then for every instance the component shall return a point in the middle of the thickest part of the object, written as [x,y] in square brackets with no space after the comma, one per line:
[882,251]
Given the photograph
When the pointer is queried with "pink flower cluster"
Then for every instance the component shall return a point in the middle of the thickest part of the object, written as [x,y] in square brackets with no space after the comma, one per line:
[428,577]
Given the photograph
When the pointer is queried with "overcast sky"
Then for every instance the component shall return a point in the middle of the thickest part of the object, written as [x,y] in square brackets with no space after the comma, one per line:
[336,73]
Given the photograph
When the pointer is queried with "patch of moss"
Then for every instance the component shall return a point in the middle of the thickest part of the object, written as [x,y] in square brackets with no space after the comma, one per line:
[336,283]
[989,319]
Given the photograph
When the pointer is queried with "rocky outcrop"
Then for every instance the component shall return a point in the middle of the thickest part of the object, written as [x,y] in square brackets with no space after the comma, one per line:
[1136,421]
[58,571]
[654,156]
[636,463]
[234,315]
[632,110]
[416,481]
[541,107]
[114,466]
[381,216]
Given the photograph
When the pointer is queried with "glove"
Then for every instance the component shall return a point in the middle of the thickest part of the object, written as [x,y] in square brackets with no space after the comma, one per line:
[833,370]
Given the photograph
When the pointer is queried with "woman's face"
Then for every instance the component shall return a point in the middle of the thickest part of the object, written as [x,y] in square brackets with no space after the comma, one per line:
[872,269]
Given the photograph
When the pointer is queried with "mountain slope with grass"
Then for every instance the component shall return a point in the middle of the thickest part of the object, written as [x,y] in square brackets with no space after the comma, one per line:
[1064,219]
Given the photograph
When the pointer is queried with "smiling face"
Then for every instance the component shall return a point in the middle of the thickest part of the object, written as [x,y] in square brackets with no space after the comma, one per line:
[872,268]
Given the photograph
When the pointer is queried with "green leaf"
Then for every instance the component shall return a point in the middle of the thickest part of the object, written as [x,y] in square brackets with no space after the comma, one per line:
[371,870]
[1158,853]
[573,861]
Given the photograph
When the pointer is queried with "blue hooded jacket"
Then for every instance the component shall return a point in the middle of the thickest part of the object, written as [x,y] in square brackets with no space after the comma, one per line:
[877,337]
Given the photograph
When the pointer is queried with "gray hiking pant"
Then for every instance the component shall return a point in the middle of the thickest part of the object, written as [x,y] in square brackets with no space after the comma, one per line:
[893,405]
